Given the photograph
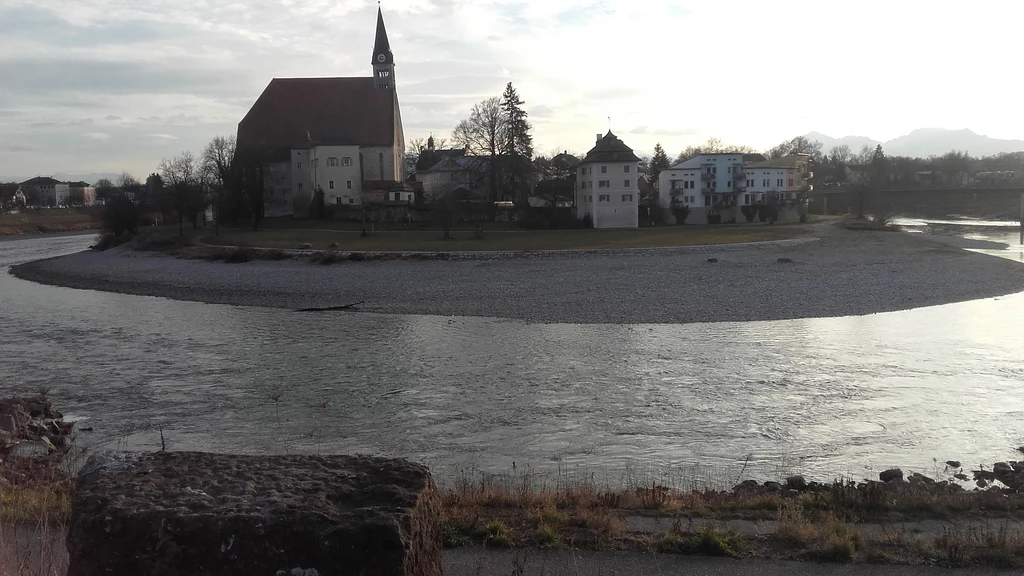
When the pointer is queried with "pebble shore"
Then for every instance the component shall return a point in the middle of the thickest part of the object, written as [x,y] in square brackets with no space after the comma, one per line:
[836,273]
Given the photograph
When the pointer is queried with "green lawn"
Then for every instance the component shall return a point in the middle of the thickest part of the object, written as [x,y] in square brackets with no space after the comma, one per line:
[50,216]
[462,240]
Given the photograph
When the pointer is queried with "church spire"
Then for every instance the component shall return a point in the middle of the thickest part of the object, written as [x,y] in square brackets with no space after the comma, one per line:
[380,43]
[383,60]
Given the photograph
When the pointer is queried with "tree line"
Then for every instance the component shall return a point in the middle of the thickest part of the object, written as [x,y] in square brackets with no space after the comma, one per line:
[228,180]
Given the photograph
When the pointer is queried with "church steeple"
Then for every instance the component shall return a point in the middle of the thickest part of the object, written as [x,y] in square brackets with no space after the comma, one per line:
[383,60]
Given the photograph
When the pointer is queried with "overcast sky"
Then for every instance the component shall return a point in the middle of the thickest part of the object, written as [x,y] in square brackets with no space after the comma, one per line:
[106,85]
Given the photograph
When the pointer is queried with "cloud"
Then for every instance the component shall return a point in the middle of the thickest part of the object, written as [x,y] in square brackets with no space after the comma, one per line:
[163,137]
[112,118]
[97,136]
[662,131]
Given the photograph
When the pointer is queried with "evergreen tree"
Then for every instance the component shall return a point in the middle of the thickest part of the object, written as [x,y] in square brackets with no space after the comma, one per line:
[659,163]
[516,145]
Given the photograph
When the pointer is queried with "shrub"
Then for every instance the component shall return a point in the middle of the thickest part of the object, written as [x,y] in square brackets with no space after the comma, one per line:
[714,218]
[549,538]
[240,255]
[749,212]
[109,240]
[588,222]
[120,215]
[455,534]
[708,542]
[495,533]
[681,214]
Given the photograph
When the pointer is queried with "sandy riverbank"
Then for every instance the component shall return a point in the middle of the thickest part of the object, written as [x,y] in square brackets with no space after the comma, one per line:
[841,273]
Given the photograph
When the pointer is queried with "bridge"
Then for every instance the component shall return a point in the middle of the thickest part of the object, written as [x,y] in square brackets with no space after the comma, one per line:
[996,203]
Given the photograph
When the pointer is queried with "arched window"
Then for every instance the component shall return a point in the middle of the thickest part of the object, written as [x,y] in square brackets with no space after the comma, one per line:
[380,158]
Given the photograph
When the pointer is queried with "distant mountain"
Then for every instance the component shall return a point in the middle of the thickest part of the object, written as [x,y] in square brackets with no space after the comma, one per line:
[925,142]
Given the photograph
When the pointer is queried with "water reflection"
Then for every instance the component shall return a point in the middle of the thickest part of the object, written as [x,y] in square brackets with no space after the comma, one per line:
[822,396]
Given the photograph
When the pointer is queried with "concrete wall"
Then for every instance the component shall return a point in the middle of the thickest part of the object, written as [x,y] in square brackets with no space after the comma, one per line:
[996,203]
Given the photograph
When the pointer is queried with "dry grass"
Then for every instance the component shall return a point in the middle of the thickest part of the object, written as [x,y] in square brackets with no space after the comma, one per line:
[35,502]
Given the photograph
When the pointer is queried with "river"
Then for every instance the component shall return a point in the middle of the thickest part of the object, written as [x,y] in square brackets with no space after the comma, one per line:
[699,403]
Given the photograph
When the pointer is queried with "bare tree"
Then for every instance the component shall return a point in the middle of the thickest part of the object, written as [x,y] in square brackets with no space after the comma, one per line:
[216,168]
[180,174]
[840,154]
[798,145]
[416,145]
[482,134]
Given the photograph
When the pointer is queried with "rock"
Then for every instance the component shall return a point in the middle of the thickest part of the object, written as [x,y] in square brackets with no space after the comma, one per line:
[7,423]
[773,486]
[962,477]
[785,260]
[746,485]
[712,260]
[920,479]
[333,245]
[891,475]
[1017,466]
[796,483]
[165,513]
[1001,468]
[953,463]
[31,449]
[1021,449]
[981,483]
[305,246]
[984,475]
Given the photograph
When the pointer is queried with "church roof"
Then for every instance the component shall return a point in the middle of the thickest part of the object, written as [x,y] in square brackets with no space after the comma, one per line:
[296,111]
[611,149]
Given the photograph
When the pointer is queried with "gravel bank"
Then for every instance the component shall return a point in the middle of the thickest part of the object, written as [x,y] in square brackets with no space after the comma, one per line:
[842,273]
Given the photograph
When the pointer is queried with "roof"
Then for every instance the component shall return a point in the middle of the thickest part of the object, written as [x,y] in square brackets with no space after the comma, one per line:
[610,149]
[755,157]
[296,111]
[79,184]
[380,42]
[790,161]
[430,157]
[41,181]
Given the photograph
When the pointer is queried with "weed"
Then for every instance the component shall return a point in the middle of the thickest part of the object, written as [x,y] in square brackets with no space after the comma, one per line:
[456,534]
[709,541]
[549,538]
[495,533]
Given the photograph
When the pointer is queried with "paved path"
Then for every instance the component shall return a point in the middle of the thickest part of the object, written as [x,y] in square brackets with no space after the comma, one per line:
[480,562]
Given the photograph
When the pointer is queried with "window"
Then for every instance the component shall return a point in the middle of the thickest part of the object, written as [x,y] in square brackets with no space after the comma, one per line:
[604,169]
[764,182]
[746,198]
[299,166]
[729,170]
[604,184]
[627,197]
[337,200]
[380,159]
[330,185]
[590,198]
[398,196]
[300,185]
[271,192]
[790,182]
[780,183]
[728,184]
[351,201]
[348,184]
[625,168]
[332,161]
[346,161]
[583,185]
[604,198]
[626,184]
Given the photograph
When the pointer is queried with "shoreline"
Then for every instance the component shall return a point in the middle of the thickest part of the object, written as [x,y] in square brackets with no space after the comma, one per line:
[841,273]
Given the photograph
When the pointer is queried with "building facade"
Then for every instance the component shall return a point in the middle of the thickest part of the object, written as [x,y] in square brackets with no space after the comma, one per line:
[723,183]
[310,134]
[46,191]
[81,194]
[607,184]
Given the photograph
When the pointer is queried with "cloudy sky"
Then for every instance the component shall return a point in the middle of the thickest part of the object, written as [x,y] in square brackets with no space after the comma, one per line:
[106,85]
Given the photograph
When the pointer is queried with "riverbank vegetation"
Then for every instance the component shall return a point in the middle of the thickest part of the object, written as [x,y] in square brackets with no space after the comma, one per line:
[504,240]
[28,221]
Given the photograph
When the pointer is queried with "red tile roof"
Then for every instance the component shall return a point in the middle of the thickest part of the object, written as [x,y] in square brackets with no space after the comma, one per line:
[298,111]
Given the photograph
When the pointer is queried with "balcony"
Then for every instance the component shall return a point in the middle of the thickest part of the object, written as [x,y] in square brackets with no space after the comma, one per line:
[707,176]
[739,187]
[807,175]
[739,172]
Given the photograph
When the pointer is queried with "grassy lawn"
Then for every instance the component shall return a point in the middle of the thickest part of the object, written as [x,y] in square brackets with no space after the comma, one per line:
[51,219]
[463,240]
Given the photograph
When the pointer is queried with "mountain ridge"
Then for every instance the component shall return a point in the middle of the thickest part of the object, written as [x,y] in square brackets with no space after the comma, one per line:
[925,142]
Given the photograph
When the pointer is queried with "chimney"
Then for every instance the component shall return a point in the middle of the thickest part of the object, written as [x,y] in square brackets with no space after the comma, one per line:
[598,137]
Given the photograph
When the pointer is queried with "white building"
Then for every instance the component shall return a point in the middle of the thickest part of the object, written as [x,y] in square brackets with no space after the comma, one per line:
[304,129]
[607,184]
[46,191]
[723,183]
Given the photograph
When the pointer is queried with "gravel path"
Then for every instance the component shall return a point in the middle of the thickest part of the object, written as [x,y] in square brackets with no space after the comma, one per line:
[842,273]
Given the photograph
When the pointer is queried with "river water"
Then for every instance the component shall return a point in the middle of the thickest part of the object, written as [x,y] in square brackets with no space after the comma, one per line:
[700,403]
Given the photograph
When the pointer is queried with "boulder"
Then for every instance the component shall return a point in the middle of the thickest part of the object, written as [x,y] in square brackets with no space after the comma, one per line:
[305,246]
[746,486]
[1001,468]
[891,475]
[796,483]
[953,463]
[179,513]
[773,486]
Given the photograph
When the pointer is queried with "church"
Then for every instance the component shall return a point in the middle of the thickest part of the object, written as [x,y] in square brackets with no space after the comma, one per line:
[340,135]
